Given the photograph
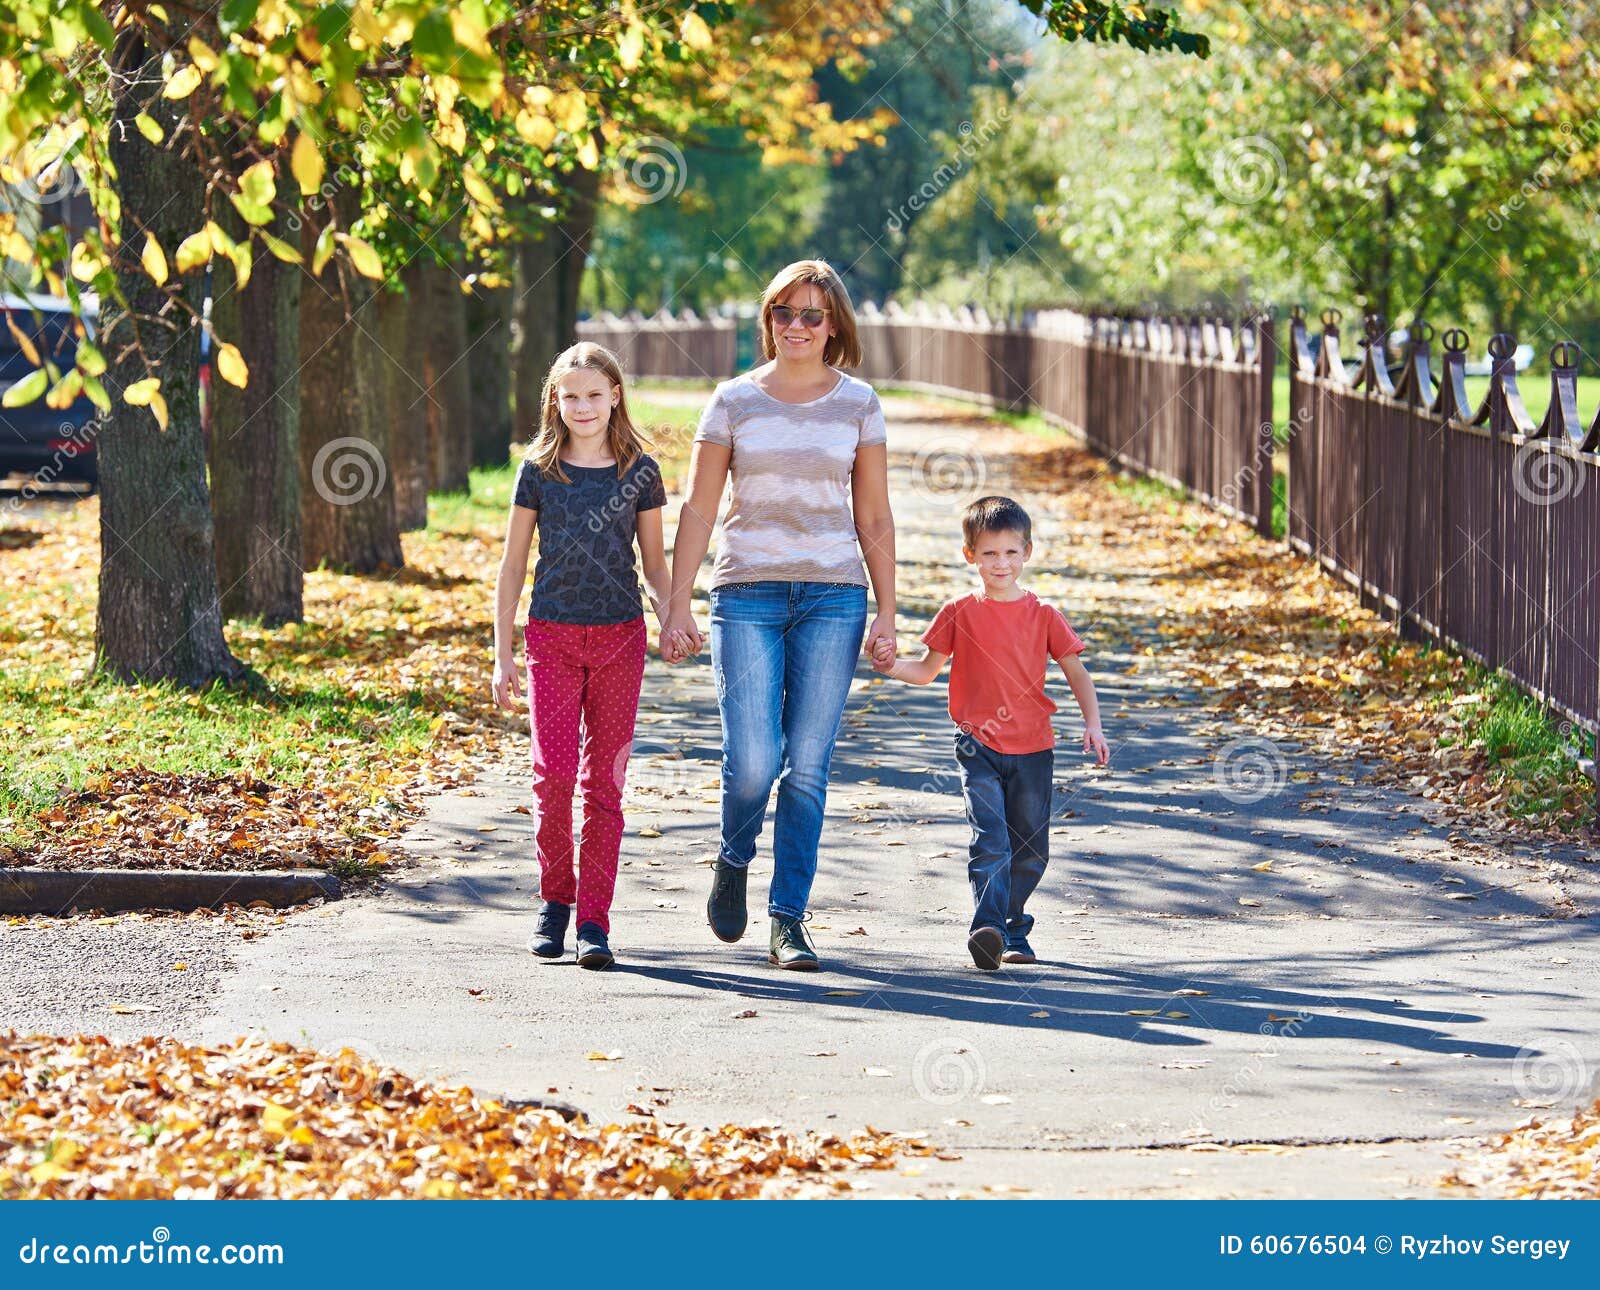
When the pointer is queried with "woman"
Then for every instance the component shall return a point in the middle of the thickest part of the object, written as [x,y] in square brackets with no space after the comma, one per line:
[805,447]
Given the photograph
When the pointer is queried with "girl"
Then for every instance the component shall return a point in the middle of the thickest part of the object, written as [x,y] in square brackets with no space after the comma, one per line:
[593,492]
[804,446]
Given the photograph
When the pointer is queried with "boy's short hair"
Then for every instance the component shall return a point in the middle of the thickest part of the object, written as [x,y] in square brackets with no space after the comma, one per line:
[994,515]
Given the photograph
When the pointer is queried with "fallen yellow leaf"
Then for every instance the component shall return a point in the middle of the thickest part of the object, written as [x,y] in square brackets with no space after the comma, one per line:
[275,1119]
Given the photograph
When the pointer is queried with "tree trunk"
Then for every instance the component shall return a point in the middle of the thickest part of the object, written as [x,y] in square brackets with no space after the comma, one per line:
[158,616]
[489,373]
[443,321]
[347,500]
[549,277]
[404,405]
[254,447]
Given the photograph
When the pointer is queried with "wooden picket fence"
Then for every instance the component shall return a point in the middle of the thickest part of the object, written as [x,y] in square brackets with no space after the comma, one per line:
[680,346]
[1187,400]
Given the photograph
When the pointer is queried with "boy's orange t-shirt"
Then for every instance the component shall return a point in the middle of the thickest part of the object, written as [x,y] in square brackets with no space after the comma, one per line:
[1000,651]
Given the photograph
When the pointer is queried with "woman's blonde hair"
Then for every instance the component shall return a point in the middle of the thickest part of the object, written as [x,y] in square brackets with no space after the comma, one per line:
[844,347]
[623,437]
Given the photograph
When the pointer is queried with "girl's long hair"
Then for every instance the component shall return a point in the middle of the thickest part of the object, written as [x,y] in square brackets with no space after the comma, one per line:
[623,437]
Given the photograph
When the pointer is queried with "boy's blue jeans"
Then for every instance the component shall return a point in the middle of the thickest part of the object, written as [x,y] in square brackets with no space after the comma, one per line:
[783,654]
[1008,805]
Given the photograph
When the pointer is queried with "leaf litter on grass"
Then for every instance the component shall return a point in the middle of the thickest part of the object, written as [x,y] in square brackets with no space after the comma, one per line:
[380,697]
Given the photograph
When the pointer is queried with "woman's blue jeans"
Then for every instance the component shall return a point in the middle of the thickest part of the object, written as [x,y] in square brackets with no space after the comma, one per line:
[783,654]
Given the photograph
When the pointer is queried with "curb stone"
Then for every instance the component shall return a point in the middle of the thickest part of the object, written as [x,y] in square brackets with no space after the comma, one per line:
[60,891]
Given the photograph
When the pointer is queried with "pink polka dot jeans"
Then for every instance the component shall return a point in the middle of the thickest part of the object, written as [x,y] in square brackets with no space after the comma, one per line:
[583,697]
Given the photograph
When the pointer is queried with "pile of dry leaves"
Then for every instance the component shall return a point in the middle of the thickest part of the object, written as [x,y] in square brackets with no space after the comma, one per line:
[135,818]
[85,1117]
[1541,1159]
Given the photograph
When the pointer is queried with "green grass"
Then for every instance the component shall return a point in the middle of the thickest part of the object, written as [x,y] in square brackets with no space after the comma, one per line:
[337,701]
[1034,423]
[58,738]
[1142,490]
[1530,751]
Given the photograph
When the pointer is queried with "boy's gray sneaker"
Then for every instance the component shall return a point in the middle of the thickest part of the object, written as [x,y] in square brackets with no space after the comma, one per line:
[1018,951]
[985,946]
[550,933]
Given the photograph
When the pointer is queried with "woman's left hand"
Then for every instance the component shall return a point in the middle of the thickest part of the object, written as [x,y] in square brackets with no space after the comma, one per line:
[880,646]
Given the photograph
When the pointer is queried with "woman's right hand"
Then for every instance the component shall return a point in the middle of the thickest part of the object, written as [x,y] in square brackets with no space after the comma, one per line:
[507,683]
[680,638]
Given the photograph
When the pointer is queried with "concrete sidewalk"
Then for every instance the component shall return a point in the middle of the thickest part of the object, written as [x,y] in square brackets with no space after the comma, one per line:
[1196,1025]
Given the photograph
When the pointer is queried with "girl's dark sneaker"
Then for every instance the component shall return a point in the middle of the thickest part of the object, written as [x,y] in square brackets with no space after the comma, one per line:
[550,933]
[593,951]
[985,945]
[790,946]
[1018,951]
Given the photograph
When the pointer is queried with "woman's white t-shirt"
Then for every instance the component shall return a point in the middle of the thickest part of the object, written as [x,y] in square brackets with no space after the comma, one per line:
[790,519]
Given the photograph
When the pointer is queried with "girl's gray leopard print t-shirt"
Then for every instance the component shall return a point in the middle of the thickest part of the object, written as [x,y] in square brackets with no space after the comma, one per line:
[587,572]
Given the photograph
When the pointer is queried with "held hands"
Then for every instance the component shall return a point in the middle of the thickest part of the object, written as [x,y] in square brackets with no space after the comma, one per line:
[680,638]
[880,646]
[1094,741]
[508,686]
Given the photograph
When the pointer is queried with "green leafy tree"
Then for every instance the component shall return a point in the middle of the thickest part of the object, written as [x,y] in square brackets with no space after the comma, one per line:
[1418,159]
[1141,26]
[946,76]
[185,123]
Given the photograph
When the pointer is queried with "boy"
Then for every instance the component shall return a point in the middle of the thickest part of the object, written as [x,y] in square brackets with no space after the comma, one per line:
[1001,640]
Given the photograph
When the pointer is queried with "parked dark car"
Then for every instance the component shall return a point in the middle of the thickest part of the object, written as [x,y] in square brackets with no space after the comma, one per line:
[51,444]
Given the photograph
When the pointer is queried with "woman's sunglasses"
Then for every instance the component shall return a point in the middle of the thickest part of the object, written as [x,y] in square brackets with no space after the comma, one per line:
[783,315]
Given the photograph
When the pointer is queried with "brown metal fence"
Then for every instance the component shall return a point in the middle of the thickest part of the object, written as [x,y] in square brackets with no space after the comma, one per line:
[1186,400]
[1468,525]
[666,345]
